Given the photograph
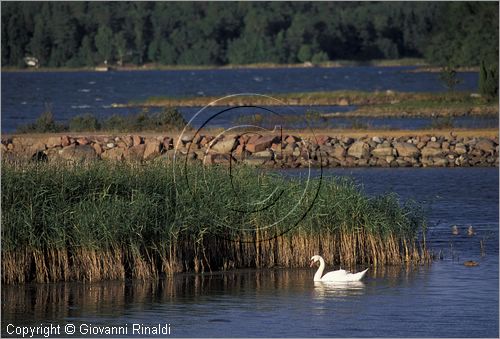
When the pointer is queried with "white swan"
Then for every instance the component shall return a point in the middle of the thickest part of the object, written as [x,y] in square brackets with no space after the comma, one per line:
[334,276]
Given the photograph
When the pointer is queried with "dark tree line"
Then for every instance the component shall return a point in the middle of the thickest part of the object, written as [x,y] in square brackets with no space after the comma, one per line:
[74,34]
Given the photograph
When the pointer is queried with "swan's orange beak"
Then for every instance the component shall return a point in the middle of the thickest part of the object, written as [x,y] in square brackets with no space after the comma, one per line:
[312,263]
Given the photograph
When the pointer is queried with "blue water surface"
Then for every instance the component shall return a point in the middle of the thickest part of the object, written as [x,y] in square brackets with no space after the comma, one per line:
[25,95]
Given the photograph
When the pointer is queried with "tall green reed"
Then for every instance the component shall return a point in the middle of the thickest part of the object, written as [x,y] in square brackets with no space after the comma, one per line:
[105,220]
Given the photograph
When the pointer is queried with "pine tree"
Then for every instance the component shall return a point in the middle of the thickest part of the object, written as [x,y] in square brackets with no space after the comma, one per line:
[120,47]
[86,53]
[488,80]
[103,43]
[40,44]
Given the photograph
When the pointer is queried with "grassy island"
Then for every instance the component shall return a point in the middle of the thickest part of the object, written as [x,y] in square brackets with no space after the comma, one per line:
[105,220]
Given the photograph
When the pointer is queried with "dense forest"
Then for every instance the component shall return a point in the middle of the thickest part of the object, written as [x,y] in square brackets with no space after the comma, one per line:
[76,34]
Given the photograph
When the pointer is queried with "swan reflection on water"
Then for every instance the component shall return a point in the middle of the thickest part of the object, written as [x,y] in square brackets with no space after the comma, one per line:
[324,290]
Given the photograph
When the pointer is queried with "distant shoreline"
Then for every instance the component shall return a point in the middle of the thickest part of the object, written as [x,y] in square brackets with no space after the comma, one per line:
[420,63]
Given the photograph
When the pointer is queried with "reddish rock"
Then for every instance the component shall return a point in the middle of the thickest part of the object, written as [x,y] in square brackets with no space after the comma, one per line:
[29,145]
[322,139]
[238,152]
[244,139]
[135,153]
[197,138]
[261,144]
[290,138]
[253,138]
[97,147]
[421,145]
[152,149]
[277,147]
[65,141]
[53,142]
[289,148]
[349,162]
[121,144]
[137,140]
[82,141]
[204,141]
[128,141]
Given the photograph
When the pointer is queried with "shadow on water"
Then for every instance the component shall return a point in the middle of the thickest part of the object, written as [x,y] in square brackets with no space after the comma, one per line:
[269,302]
[33,303]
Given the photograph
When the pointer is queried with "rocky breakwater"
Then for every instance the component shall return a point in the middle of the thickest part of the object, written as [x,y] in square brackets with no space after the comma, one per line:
[274,151]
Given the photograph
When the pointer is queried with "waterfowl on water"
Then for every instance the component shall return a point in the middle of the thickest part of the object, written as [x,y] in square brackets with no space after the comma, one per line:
[454,230]
[334,276]
[470,231]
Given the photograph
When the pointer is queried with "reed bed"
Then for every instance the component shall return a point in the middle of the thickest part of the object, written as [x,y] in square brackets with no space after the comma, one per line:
[104,220]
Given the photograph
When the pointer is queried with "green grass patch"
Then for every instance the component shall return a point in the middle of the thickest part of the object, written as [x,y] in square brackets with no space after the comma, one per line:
[165,119]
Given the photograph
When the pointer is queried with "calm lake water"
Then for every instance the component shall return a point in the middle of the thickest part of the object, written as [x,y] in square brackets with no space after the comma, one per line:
[26,95]
[445,299]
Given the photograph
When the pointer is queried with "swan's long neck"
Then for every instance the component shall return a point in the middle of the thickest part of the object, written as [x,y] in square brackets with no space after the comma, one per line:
[319,272]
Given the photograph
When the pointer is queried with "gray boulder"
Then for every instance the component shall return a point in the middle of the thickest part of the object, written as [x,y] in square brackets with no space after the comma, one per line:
[405,149]
[359,150]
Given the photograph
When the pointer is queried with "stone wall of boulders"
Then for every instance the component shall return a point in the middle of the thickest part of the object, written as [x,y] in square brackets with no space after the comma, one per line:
[276,151]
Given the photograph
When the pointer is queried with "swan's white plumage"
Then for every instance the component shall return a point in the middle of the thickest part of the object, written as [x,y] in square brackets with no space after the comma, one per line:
[334,276]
